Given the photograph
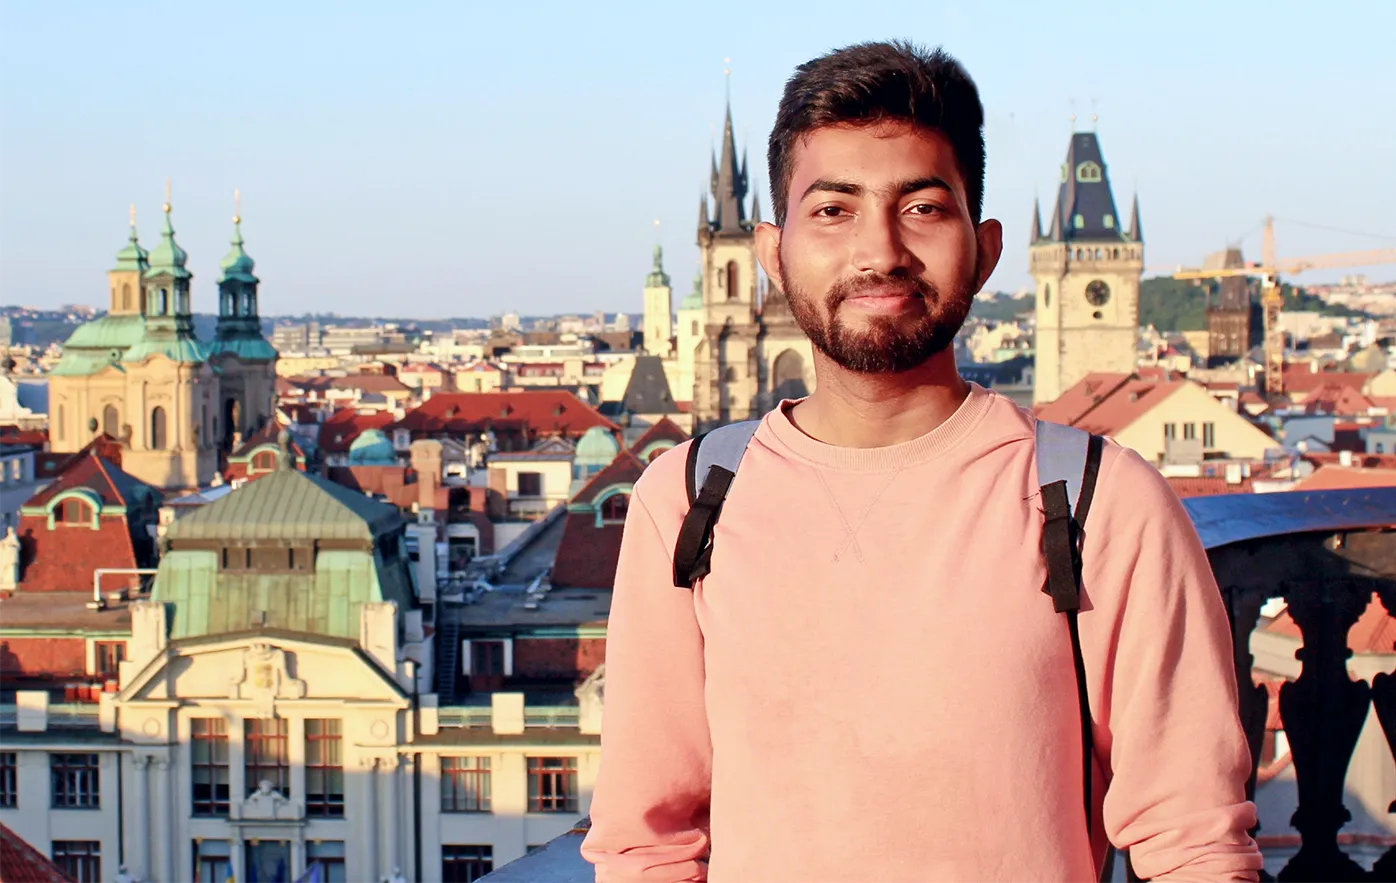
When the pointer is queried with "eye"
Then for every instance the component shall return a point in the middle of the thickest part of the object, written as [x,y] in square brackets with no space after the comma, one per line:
[924,208]
[829,211]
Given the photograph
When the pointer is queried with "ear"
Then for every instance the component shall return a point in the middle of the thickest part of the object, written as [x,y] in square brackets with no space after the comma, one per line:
[768,252]
[990,236]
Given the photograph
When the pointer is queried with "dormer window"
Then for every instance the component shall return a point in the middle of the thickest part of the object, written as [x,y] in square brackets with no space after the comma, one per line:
[74,513]
[614,507]
[263,461]
[1089,173]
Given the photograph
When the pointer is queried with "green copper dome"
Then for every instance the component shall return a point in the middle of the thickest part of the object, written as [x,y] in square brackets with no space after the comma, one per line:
[694,299]
[237,266]
[657,277]
[132,257]
[167,258]
[372,448]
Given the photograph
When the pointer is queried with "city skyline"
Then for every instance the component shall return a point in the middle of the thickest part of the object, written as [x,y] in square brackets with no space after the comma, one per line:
[356,139]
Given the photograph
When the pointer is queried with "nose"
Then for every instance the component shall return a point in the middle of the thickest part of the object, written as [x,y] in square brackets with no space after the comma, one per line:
[878,246]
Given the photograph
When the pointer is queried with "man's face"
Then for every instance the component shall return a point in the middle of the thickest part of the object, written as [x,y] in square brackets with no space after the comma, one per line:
[879,255]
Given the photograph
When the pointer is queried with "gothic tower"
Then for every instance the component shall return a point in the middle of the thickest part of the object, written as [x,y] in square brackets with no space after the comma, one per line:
[1087,268]
[659,309]
[245,361]
[726,381]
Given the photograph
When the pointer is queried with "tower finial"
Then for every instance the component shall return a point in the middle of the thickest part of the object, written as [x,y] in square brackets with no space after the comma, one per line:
[167,196]
[1094,117]
[133,216]
[237,206]
[727,78]
[656,230]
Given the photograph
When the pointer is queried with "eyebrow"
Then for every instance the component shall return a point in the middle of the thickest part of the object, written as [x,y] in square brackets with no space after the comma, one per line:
[849,188]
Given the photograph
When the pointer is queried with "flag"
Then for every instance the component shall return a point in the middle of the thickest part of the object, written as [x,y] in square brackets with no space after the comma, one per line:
[313,874]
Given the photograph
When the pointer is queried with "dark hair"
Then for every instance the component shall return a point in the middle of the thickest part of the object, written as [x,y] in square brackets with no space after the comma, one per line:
[881,82]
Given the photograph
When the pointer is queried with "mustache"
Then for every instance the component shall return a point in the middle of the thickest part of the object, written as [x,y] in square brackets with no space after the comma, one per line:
[883,284]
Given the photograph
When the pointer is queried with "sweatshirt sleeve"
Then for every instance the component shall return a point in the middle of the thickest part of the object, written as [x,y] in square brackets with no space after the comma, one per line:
[649,810]
[1163,694]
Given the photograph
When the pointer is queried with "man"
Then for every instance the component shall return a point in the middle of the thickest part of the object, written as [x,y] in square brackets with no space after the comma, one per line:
[870,684]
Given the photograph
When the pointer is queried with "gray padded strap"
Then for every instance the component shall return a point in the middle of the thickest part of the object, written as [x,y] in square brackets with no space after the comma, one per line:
[723,447]
[1061,455]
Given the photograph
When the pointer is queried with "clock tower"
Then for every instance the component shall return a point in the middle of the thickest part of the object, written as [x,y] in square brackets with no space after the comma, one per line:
[1087,268]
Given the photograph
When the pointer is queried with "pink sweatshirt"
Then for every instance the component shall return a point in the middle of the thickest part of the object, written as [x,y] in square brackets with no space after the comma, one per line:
[872,686]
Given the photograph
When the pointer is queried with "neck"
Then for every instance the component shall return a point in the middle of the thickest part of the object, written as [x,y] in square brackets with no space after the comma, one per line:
[853,410]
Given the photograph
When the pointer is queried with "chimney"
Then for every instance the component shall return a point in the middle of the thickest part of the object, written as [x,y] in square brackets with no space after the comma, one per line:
[1345,458]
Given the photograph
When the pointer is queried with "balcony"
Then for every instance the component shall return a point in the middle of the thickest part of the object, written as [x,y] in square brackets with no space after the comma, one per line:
[1330,559]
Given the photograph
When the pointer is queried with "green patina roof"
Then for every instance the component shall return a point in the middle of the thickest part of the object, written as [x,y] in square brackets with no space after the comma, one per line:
[245,348]
[596,447]
[657,277]
[694,299]
[372,448]
[326,602]
[176,348]
[289,505]
[167,258]
[97,345]
[237,265]
[132,257]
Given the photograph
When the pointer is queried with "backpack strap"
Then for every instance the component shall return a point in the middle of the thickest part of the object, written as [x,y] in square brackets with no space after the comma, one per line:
[713,459]
[1068,462]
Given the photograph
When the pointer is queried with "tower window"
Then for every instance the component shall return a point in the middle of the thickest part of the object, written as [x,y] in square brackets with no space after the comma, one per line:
[1078,221]
[126,296]
[162,306]
[1109,222]
[1088,172]
[111,421]
[1047,295]
[157,429]
[732,290]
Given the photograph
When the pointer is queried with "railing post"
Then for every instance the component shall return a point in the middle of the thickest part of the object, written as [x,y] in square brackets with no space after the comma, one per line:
[1324,711]
[1243,606]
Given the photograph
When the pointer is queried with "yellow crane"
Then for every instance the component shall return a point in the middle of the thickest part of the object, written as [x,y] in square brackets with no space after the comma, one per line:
[1271,299]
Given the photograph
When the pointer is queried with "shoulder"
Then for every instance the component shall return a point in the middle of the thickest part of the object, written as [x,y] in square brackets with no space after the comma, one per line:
[1132,496]
[662,488]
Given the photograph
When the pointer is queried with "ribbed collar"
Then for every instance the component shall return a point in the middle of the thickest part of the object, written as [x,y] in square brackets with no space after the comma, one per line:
[889,457]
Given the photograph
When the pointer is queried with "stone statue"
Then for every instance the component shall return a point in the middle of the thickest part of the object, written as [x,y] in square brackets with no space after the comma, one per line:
[9,561]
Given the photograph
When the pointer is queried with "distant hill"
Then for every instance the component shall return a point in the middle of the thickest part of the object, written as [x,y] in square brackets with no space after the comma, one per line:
[1000,308]
[1171,304]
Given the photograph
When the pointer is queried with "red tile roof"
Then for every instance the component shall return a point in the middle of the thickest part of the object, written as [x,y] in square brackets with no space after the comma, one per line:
[340,429]
[1207,486]
[587,555]
[1337,398]
[1106,404]
[13,435]
[1301,379]
[22,863]
[1331,477]
[541,411]
[663,430]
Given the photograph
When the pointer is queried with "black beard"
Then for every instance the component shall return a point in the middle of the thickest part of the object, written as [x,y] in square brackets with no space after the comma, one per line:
[885,347]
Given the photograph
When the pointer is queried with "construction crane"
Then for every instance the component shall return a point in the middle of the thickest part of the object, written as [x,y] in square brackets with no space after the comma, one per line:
[1271,298]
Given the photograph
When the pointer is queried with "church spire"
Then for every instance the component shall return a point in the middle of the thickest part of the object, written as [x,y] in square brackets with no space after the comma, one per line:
[729,184]
[755,208]
[704,225]
[132,257]
[167,258]
[1036,220]
[657,277]
[1135,233]
[237,265]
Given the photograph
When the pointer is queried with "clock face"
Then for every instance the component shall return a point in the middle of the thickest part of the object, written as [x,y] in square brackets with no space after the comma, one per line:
[1098,293]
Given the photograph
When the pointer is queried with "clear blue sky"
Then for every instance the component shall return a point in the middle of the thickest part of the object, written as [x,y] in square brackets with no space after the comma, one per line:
[468,158]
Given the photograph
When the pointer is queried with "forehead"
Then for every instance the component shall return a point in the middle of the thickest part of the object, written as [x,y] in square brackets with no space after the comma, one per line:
[872,155]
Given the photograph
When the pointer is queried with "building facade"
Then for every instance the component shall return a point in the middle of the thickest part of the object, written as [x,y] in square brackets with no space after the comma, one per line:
[141,375]
[1087,269]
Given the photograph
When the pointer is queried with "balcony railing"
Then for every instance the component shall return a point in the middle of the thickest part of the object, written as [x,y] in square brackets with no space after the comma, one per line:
[541,716]
[1325,554]
[81,715]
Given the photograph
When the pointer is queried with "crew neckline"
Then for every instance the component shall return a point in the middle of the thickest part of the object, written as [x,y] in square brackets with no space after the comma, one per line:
[917,450]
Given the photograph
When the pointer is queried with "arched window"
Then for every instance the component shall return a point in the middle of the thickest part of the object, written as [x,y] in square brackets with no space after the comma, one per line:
[126,296]
[732,290]
[227,303]
[730,375]
[111,421]
[72,512]
[157,429]
[264,461]
[613,508]
[695,327]
[58,429]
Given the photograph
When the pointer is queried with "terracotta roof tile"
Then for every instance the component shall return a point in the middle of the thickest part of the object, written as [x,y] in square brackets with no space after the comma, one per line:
[22,863]
[1331,477]
[1106,404]
[1300,379]
[1207,486]
[663,430]
[542,411]
[340,429]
